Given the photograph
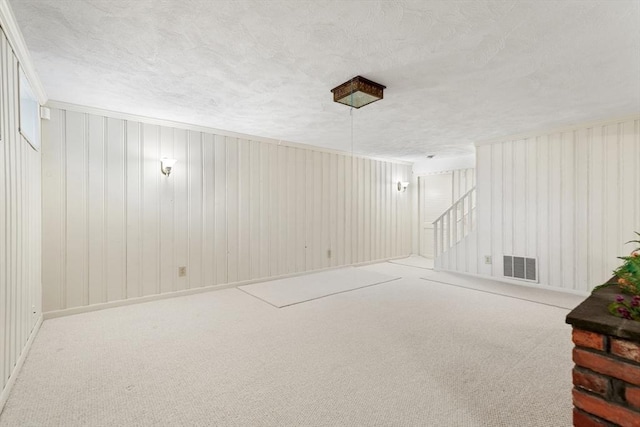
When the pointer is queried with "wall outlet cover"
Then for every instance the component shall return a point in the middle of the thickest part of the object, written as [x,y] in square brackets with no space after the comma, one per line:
[487,259]
[182,271]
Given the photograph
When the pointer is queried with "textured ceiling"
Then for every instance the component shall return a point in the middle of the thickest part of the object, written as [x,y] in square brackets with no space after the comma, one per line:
[456,72]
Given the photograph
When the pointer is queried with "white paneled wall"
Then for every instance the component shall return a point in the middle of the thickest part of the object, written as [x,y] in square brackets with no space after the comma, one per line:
[571,199]
[232,210]
[20,307]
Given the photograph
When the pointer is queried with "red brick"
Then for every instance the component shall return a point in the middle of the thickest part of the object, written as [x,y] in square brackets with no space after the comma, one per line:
[581,419]
[607,366]
[590,381]
[605,410]
[632,396]
[588,339]
[627,349]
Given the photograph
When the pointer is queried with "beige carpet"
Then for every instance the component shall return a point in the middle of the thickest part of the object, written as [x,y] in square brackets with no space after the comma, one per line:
[403,353]
[295,290]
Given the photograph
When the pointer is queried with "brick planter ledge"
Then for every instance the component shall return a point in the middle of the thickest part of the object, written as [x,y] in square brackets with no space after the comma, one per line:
[606,375]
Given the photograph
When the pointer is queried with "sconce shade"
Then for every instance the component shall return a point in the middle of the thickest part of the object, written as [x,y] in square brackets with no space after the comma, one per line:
[358,92]
[166,165]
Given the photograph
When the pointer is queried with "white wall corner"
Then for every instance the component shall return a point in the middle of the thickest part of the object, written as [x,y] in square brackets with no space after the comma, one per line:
[4,393]
[14,35]
[427,166]
[415,213]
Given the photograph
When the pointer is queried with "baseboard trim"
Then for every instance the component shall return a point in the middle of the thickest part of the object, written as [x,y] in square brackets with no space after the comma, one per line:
[156,297]
[516,282]
[4,396]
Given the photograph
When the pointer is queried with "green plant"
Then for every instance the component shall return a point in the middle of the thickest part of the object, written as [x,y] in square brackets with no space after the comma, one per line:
[628,275]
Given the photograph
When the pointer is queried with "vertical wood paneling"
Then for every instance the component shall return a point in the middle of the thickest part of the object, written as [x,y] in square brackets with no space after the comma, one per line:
[325,202]
[220,249]
[341,219]
[507,197]
[613,240]
[348,209]
[265,210]
[310,193]
[53,199]
[244,198]
[285,226]
[384,227]
[166,251]
[96,210]
[394,211]
[233,204]
[254,213]
[150,210]
[290,246]
[542,208]
[5,369]
[76,273]
[531,192]
[629,150]
[568,205]
[580,204]
[232,209]
[597,202]
[182,210]
[301,209]
[209,215]
[366,207]
[20,223]
[134,209]
[195,206]
[115,267]
[274,196]
[555,210]
[360,217]
[581,211]
[5,203]
[496,204]
[519,187]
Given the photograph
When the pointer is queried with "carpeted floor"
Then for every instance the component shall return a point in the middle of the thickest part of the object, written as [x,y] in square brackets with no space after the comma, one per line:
[409,352]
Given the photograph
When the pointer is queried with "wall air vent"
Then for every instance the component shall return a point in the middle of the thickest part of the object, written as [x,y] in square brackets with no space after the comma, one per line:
[520,268]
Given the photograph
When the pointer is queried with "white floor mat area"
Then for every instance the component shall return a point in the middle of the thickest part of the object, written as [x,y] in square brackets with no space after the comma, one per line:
[529,293]
[294,290]
[415,261]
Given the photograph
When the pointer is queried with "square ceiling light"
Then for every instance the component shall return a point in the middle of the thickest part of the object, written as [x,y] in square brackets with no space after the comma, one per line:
[358,92]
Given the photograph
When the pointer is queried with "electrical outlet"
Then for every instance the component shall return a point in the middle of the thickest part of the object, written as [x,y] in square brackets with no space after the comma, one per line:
[182,271]
[328,253]
[487,259]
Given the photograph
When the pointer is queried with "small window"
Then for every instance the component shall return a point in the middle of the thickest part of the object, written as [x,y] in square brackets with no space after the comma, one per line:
[29,113]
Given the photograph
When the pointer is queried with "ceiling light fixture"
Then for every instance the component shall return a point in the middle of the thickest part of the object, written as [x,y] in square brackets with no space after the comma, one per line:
[358,92]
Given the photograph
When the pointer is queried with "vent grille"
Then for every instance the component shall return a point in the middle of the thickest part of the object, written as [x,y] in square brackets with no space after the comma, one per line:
[520,268]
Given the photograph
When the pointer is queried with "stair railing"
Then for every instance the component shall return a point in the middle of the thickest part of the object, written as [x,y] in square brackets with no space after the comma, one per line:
[455,223]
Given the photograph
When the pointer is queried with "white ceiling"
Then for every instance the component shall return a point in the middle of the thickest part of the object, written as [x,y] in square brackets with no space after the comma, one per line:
[456,72]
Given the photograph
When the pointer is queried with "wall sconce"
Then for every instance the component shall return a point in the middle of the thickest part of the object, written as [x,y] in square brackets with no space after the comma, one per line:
[402,186]
[166,165]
